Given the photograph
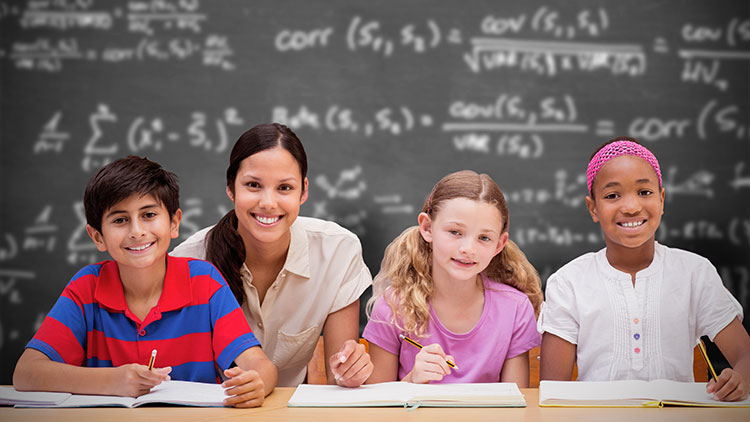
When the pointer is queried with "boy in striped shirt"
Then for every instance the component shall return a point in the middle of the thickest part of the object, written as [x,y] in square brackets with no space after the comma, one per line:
[100,334]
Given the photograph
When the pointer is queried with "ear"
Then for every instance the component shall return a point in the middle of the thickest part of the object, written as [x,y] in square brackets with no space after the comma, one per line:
[663,196]
[591,205]
[425,226]
[501,242]
[305,191]
[175,225]
[97,237]
[230,194]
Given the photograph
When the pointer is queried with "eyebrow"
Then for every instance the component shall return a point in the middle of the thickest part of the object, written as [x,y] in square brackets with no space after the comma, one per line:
[639,181]
[145,207]
[254,177]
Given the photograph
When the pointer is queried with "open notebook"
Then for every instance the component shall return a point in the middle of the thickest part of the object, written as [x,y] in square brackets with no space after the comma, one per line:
[183,393]
[408,394]
[632,393]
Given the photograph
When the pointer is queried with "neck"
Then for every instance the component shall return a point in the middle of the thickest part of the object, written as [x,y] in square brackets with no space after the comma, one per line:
[264,255]
[143,283]
[456,291]
[631,260]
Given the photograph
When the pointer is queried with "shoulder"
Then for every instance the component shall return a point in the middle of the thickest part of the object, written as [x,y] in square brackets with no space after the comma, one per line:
[507,293]
[90,272]
[579,270]
[315,227]
[685,260]
[194,246]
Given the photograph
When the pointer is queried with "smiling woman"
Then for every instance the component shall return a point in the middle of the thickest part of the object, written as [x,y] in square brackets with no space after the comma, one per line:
[294,277]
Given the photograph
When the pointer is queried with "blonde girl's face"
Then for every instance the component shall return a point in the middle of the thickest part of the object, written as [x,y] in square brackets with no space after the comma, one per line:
[627,202]
[465,235]
[268,192]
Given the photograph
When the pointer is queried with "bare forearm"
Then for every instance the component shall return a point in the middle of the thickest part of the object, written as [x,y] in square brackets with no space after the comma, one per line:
[46,375]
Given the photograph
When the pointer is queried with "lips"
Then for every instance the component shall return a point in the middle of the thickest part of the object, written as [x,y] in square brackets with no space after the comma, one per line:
[267,220]
[140,248]
[463,262]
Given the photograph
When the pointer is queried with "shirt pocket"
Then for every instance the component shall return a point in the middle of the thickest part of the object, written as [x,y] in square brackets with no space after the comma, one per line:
[294,348]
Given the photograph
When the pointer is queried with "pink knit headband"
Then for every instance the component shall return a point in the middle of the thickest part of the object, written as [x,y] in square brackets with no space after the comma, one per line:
[617,149]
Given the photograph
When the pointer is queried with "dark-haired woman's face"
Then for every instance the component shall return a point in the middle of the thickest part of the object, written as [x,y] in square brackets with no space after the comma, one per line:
[268,192]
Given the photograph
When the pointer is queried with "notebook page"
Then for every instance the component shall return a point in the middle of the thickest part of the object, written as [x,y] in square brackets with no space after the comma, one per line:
[185,393]
[334,395]
[464,392]
[9,395]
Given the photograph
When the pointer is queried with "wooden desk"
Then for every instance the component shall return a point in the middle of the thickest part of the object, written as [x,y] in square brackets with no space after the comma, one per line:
[275,410]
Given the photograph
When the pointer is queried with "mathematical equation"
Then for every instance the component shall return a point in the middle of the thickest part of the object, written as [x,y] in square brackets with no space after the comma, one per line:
[149,18]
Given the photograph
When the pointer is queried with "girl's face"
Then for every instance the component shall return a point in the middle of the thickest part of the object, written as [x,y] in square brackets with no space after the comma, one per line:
[465,236]
[268,192]
[627,202]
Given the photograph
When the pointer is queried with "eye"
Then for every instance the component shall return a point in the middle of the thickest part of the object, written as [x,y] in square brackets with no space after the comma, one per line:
[611,196]
[150,214]
[485,238]
[253,185]
[118,220]
[286,187]
[454,232]
[646,192]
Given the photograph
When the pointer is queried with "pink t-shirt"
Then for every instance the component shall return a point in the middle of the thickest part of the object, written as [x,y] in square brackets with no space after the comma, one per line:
[507,328]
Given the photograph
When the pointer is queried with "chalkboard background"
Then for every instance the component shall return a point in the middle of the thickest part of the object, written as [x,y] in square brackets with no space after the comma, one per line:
[387,97]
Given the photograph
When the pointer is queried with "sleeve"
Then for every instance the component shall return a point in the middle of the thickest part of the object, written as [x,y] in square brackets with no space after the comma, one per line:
[380,329]
[356,276]
[62,335]
[714,307]
[231,334]
[525,336]
[559,315]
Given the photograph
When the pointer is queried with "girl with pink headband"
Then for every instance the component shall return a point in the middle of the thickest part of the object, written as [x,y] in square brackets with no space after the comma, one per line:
[636,309]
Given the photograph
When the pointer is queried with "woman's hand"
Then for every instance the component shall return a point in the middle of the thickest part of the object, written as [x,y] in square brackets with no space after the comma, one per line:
[351,365]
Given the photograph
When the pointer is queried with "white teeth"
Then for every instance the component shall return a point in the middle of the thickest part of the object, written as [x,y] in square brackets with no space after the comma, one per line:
[267,220]
[139,248]
[632,224]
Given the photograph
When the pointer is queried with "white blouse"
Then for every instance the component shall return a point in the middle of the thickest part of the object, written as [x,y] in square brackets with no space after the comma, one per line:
[324,272]
[647,331]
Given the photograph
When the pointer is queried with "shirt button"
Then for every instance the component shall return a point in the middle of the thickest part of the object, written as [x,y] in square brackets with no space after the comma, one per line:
[636,336]
[637,350]
[635,321]
[260,324]
[275,286]
[142,333]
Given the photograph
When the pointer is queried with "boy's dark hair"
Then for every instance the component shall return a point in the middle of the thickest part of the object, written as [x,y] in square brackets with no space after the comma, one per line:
[120,179]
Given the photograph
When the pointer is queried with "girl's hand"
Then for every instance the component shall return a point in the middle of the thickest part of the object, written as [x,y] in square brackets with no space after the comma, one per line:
[351,366]
[245,388]
[730,386]
[133,380]
[429,365]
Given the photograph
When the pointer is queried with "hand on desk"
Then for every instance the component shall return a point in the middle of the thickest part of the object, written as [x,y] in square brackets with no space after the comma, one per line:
[246,388]
[351,366]
[429,365]
[133,380]
[730,386]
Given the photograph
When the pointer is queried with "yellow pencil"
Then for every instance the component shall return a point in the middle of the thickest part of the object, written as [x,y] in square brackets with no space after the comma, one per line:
[705,356]
[419,346]
[152,360]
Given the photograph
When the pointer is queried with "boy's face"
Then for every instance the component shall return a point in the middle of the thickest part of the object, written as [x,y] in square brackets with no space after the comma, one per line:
[627,202]
[136,232]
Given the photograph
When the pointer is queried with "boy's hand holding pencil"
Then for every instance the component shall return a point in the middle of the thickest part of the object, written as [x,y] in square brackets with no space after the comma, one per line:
[133,380]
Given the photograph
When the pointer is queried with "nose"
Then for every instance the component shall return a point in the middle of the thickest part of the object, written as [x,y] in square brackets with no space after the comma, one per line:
[267,199]
[466,247]
[631,204]
[137,229]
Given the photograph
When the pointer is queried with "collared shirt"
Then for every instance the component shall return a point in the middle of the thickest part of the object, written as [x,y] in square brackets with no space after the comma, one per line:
[324,272]
[647,331]
[196,327]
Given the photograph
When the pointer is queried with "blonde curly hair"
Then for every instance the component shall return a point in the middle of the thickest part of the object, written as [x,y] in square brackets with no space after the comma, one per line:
[405,277]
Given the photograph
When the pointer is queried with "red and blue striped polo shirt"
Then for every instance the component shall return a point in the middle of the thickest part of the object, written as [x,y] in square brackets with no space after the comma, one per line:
[197,326]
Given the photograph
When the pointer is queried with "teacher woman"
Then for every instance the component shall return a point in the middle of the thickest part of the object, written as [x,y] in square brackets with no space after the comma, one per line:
[293,276]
